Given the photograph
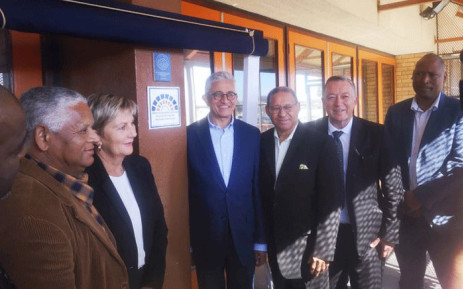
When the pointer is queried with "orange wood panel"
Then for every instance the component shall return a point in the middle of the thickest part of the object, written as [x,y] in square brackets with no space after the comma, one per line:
[198,11]
[27,61]
[303,39]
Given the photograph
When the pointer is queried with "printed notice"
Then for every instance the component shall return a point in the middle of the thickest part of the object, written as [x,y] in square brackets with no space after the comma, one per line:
[164,107]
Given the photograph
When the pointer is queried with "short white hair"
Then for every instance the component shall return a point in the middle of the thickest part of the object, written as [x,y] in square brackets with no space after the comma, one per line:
[217,76]
[48,106]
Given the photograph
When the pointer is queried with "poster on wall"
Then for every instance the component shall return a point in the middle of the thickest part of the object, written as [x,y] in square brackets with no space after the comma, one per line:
[162,65]
[163,107]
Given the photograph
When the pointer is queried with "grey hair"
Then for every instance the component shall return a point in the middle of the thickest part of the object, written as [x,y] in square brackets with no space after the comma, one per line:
[340,78]
[48,106]
[280,89]
[217,76]
[106,106]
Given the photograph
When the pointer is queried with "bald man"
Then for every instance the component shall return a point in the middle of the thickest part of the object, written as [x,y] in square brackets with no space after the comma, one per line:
[12,139]
[12,143]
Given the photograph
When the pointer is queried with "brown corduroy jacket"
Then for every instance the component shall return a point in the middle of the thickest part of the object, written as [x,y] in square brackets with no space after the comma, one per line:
[49,240]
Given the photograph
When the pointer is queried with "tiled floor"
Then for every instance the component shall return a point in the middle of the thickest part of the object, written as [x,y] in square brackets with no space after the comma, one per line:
[390,278]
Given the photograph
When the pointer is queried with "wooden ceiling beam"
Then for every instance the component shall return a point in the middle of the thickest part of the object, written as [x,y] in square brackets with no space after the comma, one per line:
[399,4]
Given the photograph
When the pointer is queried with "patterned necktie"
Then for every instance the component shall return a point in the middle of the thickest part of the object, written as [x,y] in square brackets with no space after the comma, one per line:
[339,153]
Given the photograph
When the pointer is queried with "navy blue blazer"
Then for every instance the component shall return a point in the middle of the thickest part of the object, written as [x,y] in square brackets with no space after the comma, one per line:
[439,161]
[111,208]
[372,207]
[217,210]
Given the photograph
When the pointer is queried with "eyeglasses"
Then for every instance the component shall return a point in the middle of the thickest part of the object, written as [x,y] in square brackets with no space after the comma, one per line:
[277,108]
[217,95]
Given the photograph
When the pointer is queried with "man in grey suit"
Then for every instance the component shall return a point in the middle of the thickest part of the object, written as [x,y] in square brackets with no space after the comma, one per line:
[427,139]
[299,181]
[372,190]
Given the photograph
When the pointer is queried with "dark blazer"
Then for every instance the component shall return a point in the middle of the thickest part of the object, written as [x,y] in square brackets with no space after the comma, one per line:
[216,209]
[50,240]
[439,161]
[113,211]
[372,208]
[305,199]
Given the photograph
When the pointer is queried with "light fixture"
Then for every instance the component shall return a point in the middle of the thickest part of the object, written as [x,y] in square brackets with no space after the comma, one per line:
[431,12]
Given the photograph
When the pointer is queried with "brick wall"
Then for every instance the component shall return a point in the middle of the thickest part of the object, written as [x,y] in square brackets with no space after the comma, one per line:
[370,93]
[404,69]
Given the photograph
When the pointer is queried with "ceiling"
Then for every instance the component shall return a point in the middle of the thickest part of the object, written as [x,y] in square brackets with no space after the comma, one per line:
[395,31]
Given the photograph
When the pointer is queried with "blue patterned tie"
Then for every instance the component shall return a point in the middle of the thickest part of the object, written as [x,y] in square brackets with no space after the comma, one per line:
[339,153]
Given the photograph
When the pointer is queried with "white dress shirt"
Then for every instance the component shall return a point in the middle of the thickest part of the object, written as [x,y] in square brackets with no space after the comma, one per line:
[124,189]
[345,141]
[281,148]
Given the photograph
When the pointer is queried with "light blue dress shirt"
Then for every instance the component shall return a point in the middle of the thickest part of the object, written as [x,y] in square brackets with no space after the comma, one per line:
[223,143]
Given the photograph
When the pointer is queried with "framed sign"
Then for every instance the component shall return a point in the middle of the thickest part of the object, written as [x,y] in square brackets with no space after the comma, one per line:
[163,107]
[162,65]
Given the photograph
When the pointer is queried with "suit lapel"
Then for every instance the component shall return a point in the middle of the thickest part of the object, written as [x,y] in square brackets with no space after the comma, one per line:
[292,153]
[436,124]
[108,189]
[236,161]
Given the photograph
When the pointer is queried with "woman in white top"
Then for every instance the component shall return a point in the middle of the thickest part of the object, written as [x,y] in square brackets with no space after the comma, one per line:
[125,192]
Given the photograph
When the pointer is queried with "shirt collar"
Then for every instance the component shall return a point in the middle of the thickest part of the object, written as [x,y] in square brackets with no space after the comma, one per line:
[434,106]
[211,125]
[290,137]
[345,130]
[78,187]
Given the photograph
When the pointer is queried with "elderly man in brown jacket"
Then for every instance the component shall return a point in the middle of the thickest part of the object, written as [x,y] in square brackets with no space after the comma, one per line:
[51,234]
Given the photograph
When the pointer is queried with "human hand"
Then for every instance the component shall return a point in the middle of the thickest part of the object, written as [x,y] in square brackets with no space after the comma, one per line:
[260,257]
[386,247]
[318,266]
[412,205]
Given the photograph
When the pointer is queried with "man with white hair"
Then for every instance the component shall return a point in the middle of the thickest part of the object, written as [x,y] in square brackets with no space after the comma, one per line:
[52,235]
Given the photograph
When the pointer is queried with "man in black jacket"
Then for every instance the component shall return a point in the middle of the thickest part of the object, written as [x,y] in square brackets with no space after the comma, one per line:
[371,191]
[299,182]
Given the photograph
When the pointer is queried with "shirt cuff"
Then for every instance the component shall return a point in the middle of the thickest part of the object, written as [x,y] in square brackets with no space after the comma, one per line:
[260,247]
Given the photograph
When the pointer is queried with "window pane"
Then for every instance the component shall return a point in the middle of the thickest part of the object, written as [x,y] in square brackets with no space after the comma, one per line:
[309,82]
[388,86]
[370,90]
[268,81]
[342,65]
[197,68]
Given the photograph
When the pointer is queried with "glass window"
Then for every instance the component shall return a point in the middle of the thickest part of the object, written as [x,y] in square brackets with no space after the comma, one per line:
[309,82]
[197,68]
[342,65]
[268,80]
[370,90]
[454,74]
[388,86]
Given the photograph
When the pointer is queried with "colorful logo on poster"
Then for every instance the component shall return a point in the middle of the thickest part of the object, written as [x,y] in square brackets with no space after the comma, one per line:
[164,102]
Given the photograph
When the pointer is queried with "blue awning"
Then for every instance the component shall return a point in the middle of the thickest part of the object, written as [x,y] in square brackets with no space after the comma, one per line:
[114,21]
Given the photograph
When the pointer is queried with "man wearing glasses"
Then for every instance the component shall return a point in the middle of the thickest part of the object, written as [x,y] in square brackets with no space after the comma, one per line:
[227,234]
[299,181]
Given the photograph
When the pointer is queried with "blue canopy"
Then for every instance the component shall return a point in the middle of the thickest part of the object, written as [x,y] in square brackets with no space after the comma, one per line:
[115,21]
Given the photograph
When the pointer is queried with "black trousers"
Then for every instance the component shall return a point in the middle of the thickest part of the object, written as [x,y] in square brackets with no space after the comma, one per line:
[442,246]
[364,272]
[238,276]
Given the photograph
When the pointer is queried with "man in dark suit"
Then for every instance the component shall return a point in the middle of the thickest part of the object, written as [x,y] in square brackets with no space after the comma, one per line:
[372,190]
[226,227]
[427,139]
[299,187]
